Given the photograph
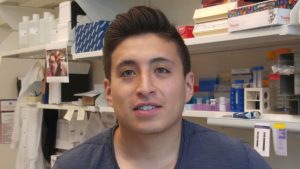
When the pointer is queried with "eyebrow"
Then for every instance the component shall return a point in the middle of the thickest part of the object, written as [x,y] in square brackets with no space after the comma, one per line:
[152,61]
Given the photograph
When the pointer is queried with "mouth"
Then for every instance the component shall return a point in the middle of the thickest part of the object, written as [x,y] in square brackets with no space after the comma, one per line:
[146,107]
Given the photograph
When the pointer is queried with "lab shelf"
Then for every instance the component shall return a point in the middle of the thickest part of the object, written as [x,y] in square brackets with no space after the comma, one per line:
[106,109]
[64,107]
[292,121]
[35,52]
[88,55]
[186,113]
[248,39]
[204,114]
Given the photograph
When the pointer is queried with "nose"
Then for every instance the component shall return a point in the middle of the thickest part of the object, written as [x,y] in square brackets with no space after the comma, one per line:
[145,85]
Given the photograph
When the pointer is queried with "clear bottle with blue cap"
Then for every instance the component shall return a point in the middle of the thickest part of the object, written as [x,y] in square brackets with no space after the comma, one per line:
[257,76]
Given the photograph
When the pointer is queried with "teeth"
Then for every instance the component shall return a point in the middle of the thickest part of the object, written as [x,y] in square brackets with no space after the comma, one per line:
[146,107]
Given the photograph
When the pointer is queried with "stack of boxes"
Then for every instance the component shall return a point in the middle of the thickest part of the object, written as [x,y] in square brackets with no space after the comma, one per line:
[212,20]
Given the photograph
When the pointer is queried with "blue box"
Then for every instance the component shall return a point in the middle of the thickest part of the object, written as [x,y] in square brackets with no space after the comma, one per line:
[207,84]
[89,37]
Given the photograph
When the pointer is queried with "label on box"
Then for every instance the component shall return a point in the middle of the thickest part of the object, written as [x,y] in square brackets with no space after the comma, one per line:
[262,137]
[6,127]
[7,105]
[265,18]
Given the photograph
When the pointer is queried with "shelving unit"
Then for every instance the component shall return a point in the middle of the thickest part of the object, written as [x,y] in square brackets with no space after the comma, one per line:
[292,121]
[256,38]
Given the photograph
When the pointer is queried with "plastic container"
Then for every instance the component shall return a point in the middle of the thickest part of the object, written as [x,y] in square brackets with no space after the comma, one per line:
[34,30]
[257,76]
[222,105]
[23,32]
[44,28]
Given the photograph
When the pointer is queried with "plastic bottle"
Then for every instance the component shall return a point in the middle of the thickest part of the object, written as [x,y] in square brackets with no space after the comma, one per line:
[259,71]
[254,77]
[222,105]
[23,32]
[34,32]
[53,28]
[44,28]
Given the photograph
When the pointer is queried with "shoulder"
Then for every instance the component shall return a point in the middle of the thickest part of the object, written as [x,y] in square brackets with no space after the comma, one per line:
[209,146]
[89,153]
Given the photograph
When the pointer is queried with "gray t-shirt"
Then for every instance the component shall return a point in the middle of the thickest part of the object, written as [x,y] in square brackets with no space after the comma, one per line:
[200,148]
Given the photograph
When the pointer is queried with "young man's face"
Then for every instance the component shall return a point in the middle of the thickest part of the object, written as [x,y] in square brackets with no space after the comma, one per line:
[52,63]
[147,88]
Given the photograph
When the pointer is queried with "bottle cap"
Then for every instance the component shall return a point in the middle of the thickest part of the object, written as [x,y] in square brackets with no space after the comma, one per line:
[47,15]
[25,18]
[35,17]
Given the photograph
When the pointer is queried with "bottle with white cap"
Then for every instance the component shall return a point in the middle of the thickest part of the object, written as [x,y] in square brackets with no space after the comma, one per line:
[23,32]
[34,32]
[44,28]
[51,36]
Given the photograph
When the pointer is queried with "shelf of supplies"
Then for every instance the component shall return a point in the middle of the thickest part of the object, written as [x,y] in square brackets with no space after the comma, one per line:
[248,39]
[66,107]
[292,121]
[204,114]
[87,55]
[186,113]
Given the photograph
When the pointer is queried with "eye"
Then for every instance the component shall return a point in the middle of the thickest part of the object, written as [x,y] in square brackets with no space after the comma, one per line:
[128,73]
[162,70]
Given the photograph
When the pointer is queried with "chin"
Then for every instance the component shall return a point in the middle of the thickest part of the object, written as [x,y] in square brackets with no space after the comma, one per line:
[153,128]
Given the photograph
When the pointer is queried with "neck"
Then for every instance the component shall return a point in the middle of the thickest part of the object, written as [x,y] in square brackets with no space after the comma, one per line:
[161,149]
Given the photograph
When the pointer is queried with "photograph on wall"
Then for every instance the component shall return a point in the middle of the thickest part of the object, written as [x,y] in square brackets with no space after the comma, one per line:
[57,65]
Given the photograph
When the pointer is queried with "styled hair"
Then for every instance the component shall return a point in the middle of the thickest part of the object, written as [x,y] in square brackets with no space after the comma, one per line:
[141,20]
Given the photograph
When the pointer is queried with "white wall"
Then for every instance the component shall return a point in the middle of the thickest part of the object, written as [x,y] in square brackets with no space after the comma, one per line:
[9,70]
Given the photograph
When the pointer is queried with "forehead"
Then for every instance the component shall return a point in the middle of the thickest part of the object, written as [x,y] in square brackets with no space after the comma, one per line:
[144,48]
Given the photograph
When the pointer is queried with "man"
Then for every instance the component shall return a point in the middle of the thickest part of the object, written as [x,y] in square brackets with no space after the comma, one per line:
[56,66]
[148,81]
[52,65]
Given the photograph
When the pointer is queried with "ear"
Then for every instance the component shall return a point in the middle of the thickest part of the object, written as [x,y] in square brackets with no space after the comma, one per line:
[189,86]
[107,87]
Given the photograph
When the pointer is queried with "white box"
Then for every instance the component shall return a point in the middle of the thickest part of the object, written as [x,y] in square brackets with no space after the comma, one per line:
[213,13]
[277,16]
[65,11]
[213,27]
[7,105]
[64,32]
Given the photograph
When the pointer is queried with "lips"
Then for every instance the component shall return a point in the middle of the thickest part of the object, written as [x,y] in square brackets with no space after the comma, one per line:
[146,109]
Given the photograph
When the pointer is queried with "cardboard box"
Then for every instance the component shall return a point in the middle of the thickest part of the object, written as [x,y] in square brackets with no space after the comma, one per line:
[213,13]
[89,98]
[262,6]
[277,16]
[8,105]
[213,27]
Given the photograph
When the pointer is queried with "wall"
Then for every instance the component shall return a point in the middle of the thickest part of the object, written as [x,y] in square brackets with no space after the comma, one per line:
[9,70]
